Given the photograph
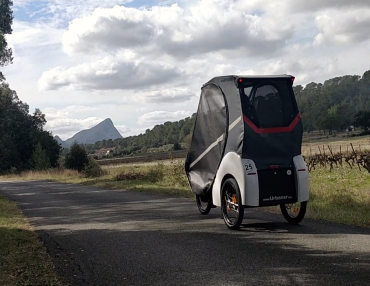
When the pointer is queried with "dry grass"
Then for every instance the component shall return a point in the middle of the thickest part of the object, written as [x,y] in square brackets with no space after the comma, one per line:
[23,258]
[343,144]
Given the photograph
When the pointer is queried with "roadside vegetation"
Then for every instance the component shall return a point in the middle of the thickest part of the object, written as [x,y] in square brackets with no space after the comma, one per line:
[23,258]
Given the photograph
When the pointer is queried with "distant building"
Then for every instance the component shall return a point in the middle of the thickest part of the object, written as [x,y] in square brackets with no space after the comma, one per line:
[103,152]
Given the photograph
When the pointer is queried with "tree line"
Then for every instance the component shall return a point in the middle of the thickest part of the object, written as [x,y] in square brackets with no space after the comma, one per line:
[336,104]
[169,133]
[24,144]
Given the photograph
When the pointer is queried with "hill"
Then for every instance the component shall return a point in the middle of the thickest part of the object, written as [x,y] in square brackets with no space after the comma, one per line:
[161,137]
[105,130]
[333,104]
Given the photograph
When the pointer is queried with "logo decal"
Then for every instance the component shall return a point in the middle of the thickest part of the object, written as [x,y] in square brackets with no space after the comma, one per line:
[277,198]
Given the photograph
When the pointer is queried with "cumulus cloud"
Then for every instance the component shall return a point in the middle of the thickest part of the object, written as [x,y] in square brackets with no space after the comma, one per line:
[162,116]
[304,69]
[343,27]
[208,26]
[166,96]
[123,129]
[67,121]
[108,73]
[317,5]
[64,123]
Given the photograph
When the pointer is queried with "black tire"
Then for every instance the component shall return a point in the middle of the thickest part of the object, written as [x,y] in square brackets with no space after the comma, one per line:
[204,204]
[294,219]
[231,200]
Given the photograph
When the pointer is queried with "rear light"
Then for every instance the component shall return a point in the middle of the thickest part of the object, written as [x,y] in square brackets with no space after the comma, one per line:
[240,80]
[274,166]
[301,170]
[252,174]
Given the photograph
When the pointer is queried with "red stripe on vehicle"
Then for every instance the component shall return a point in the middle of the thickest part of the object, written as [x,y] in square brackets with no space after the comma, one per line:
[275,129]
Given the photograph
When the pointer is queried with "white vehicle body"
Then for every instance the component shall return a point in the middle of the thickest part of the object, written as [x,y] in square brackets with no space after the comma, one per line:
[244,171]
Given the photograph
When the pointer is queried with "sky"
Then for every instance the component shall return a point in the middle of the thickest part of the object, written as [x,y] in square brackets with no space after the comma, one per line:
[142,63]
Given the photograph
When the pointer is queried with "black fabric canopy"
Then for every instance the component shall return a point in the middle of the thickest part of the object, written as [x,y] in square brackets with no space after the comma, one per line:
[255,116]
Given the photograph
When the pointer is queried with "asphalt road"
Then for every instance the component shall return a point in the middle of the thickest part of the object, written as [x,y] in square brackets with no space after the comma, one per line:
[110,237]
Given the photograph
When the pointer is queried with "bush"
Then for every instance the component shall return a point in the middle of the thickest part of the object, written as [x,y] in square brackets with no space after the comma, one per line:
[93,169]
[39,158]
[178,175]
[131,176]
[156,173]
[13,170]
[77,158]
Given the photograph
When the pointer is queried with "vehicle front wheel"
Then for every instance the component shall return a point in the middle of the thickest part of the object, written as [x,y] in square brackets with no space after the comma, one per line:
[204,204]
[231,204]
[294,213]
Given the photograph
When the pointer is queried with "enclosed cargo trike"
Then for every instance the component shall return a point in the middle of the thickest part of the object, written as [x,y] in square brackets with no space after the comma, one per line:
[246,148]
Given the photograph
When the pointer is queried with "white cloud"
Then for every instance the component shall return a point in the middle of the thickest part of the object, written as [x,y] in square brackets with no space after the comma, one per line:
[63,122]
[305,70]
[123,129]
[208,26]
[317,5]
[57,12]
[162,116]
[109,73]
[166,96]
[33,35]
[343,27]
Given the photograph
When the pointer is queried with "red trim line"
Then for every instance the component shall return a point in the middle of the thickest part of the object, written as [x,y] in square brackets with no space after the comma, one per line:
[275,129]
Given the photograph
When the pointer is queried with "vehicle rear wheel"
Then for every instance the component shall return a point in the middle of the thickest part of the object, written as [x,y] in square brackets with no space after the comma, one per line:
[231,204]
[204,204]
[294,213]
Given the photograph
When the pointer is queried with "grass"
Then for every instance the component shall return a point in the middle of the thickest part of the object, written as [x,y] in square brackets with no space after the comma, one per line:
[342,195]
[23,258]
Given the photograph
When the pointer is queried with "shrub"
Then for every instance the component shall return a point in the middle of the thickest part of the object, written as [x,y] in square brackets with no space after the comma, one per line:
[131,176]
[39,158]
[13,170]
[77,158]
[156,173]
[93,169]
[178,174]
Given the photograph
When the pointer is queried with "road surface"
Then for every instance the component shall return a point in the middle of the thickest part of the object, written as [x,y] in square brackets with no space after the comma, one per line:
[111,237]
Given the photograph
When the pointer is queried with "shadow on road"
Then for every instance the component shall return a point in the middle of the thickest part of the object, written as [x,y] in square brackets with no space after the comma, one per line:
[112,237]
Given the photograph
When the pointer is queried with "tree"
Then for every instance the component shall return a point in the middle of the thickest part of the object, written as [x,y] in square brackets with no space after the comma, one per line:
[77,158]
[187,140]
[40,160]
[6,21]
[362,119]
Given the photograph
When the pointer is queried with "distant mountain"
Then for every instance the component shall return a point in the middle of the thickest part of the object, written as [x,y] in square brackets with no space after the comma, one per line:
[61,142]
[105,130]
